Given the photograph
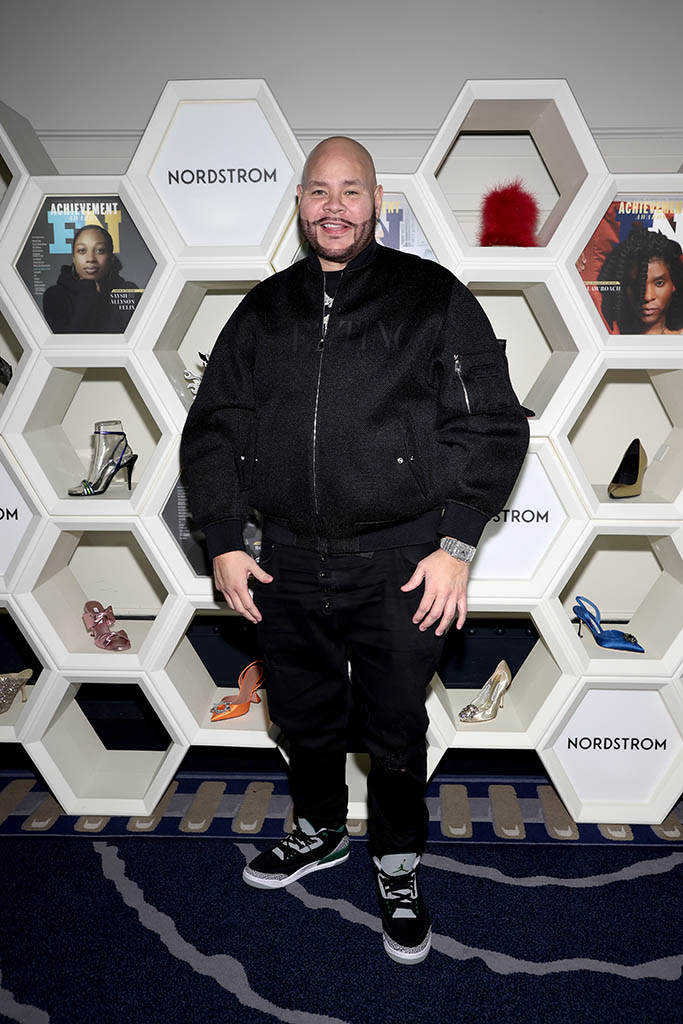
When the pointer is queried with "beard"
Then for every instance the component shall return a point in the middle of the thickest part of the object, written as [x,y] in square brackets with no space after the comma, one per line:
[363,234]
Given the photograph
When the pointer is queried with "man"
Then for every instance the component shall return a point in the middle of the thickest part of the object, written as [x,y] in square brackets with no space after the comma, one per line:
[360,401]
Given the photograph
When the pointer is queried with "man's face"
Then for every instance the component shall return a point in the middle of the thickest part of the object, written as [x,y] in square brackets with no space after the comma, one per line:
[338,204]
[659,291]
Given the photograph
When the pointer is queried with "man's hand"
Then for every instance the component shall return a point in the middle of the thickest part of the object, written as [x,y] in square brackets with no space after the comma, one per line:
[231,571]
[445,579]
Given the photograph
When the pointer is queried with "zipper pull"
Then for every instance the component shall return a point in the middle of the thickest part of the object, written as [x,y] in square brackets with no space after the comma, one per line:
[321,345]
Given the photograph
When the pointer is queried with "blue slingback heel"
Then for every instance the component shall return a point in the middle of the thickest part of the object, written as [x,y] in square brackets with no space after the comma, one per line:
[614,639]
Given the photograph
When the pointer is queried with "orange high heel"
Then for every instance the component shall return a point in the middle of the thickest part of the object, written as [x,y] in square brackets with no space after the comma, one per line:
[249,680]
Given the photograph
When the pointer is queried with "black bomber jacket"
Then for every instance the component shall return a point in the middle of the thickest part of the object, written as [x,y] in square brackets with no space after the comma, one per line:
[404,407]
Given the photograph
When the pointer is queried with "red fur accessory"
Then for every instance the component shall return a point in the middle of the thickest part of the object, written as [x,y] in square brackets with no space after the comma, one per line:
[509,215]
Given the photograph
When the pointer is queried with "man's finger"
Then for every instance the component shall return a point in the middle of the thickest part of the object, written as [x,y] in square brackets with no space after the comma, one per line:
[462,605]
[447,617]
[434,614]
[261,575]
[415,580]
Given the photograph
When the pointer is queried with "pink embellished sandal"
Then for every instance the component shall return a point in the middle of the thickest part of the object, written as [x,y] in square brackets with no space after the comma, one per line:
[97,621]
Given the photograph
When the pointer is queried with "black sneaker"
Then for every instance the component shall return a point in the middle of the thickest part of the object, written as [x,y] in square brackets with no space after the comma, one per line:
[297,855]
[405,921]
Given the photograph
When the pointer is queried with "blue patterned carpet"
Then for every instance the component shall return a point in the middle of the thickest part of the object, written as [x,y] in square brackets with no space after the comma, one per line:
[161,929]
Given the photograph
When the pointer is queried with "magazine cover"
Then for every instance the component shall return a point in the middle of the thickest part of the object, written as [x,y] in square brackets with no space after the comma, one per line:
[632,265]
[398,227]
[85,264]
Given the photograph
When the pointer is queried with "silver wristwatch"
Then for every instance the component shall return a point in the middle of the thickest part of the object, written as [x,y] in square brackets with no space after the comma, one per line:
[457,548]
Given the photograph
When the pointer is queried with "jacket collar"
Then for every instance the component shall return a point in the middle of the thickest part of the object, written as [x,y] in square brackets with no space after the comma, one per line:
[364,257]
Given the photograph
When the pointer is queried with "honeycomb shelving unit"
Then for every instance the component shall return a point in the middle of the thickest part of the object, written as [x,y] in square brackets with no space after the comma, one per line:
[210,238]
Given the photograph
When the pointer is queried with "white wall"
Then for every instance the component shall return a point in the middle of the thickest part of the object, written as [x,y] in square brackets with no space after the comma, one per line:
[88,75]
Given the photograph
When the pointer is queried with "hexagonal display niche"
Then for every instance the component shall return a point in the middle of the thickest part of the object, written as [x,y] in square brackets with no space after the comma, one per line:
[615,752]
[90,296]
[74,562]
[85,775]
[10,355]
[635,578]
[51,431]
[614,243]
[191,685]
[19,518]
[525,545]
[21,154]
[544,338]
[193,312]
[16,655]
[217,166]
[620,403]
[541,680]
[66,253]
[536,123]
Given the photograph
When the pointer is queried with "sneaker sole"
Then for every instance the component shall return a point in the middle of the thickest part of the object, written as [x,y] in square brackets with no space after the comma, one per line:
[400,955]
[261,882]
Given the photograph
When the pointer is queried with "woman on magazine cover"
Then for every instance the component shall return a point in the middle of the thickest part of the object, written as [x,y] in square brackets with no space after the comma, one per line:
[81,301]
[650,297]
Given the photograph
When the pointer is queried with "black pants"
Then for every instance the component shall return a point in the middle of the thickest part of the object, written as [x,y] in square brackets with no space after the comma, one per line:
[321,614]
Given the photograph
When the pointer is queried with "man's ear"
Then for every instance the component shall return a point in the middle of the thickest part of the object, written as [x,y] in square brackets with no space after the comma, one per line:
[299,192]
[379,192]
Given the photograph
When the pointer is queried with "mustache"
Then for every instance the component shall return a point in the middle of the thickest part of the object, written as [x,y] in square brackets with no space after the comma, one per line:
[332,220]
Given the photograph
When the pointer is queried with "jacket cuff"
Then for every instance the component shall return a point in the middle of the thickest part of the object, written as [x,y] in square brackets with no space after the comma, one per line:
[463,523]
[224,536]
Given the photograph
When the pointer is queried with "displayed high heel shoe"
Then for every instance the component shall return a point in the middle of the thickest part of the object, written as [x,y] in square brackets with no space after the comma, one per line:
[627,482]
[112,455]
[485,705]
[249,680]
[10,684]
[614,639]
[98,621]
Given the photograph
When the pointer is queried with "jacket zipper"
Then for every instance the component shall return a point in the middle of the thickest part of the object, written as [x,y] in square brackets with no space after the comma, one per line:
[321,349]
[458,372]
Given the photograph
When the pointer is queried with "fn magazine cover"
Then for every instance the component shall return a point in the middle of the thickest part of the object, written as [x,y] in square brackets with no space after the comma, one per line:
[632,266]
[85,264]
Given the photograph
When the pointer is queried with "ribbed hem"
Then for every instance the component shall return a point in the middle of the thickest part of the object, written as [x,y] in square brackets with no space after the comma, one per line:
[463,523]
[224,536]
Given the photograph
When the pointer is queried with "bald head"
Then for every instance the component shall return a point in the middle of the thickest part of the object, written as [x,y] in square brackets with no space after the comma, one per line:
[340,146]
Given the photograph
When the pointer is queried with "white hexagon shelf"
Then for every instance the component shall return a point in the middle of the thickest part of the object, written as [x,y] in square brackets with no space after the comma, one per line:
[406,222]
[190,691]
[51,429]
[217,169]
[615,751]
[14,358]
[548,349]
[19,518]
[553,139]
[523,547]
[113,562]
[85,776]
[21,155]
[36,251]
[195,303]
[627,396]
[634,575]
[17,656]
[538,688]
[598,255]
